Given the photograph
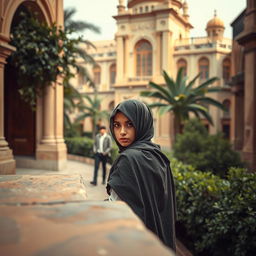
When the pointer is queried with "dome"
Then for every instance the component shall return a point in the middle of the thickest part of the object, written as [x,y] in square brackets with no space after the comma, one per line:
[215,22]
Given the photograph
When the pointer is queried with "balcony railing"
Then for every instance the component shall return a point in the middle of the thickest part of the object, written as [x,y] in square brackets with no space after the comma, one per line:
[201,42]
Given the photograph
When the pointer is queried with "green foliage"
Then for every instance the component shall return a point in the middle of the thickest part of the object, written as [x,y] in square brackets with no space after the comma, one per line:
[218,215]
[232,230]
[43,53]
[91,108]
[83,146]
[203,151]
[181,97]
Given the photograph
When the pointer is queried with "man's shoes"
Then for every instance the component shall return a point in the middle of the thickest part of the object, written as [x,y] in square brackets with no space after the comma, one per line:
[93,183]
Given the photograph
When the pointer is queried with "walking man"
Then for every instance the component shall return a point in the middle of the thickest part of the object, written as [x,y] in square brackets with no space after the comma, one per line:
[101,148]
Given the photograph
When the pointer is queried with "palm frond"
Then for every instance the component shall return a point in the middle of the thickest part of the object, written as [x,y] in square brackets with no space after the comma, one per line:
[206,84]
[211,101]
[170,84]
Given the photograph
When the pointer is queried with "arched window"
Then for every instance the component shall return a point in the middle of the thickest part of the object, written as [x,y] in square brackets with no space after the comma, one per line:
[143,53]
[226,119]
[112,74]
[203,66]
[226,68]
[96,74]
[182,63]
[226,104]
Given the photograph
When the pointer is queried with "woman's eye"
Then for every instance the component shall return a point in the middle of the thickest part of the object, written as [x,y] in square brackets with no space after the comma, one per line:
[130,124]
[116,125]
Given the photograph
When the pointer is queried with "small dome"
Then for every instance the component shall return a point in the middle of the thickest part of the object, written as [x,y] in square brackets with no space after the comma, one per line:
[215,22]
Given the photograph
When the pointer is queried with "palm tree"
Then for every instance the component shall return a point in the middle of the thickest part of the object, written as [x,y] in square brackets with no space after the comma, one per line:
[93,111]
[71,26]
[72,98]
[182,98]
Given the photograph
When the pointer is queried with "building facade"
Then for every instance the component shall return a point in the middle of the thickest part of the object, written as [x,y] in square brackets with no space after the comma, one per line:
[243,133]
[152,36]
[28,138]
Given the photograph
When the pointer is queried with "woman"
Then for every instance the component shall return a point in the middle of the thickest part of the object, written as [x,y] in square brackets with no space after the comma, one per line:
[141,175]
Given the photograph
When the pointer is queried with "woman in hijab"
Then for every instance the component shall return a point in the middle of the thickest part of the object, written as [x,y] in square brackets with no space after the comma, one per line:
[141,175]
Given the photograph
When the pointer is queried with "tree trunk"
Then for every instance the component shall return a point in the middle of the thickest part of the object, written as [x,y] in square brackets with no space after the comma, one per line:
[175,128]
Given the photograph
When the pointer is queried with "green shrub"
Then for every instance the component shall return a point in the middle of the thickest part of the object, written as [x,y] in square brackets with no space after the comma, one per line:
[205,152]
[216,216]
[83,146]
[232,230]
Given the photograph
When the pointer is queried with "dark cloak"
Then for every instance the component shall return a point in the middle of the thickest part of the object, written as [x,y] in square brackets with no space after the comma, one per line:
[141,175]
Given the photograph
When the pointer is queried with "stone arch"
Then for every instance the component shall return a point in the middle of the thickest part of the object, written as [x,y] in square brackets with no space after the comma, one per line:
[46,13]
[139,38]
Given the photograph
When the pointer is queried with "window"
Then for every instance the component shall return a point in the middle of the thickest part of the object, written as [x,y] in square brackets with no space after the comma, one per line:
[96,74]
[182,63]
[81,80]
[112,72]
[226,104]
[226,66]
[204,68]
[143,53]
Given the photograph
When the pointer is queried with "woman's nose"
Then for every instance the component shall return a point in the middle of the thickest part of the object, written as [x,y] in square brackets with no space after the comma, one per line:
[123,130]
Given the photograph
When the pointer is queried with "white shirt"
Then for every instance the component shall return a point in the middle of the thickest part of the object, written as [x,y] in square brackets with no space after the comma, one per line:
[113,196]
[102,137]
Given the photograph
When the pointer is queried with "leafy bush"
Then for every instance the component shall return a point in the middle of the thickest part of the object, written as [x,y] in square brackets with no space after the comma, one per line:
[216,216]
[205,152]
[83,146]
[232,230]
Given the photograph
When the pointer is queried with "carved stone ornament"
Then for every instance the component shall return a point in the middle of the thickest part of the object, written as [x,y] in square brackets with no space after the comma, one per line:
[143,26]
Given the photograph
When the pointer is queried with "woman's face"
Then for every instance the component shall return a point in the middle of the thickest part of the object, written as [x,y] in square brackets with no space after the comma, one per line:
[124,130]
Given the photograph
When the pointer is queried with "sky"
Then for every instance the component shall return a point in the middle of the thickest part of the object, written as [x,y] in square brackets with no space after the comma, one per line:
[101,12]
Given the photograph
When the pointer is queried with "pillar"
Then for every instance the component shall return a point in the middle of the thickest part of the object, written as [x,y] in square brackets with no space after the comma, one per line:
[120,60]
[248,39]
[7,162]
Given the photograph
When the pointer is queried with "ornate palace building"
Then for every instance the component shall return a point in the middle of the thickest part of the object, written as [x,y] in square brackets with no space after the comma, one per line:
[152,36]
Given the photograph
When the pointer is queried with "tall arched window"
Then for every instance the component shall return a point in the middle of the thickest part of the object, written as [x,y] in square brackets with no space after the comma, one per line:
[182,63]
[143,53]
[226,104]
[112,74]
[226,68]
[203,66]
[96,74]
[226,119]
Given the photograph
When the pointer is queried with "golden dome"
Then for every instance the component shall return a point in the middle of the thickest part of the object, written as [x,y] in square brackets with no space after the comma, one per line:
[215,22]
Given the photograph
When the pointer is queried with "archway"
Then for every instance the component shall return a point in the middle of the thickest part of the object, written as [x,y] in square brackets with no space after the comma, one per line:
[19,118]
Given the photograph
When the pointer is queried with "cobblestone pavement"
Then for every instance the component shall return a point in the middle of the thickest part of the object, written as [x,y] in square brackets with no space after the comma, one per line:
[74,167]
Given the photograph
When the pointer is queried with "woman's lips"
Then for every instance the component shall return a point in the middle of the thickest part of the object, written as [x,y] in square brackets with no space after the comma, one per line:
[123,140]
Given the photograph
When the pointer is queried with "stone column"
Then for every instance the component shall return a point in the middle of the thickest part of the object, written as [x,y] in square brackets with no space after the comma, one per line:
[120,60]
[48,116]
[158,61]
[237,116]
[51,151]
[7,163]
[248,40]
[166,51]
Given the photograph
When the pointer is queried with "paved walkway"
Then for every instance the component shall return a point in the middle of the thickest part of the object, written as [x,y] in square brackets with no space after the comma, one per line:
[74,167]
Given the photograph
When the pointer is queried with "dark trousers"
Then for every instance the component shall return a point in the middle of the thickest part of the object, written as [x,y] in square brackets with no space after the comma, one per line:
[103,159]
